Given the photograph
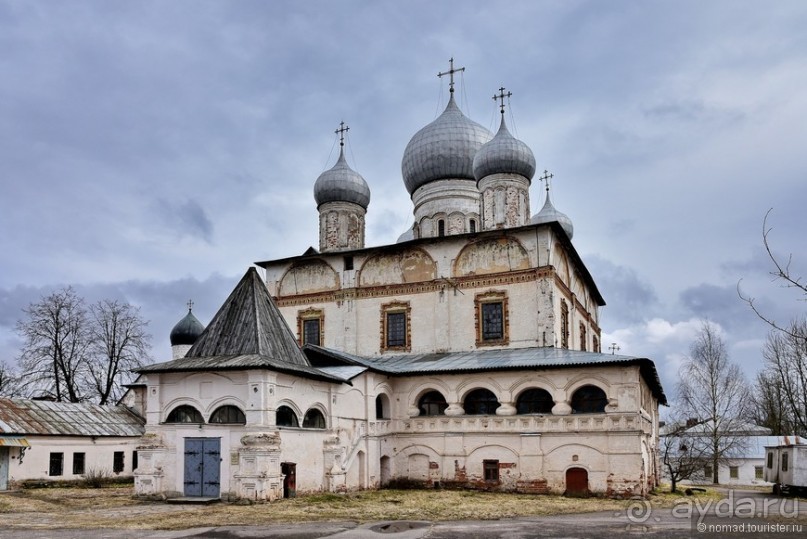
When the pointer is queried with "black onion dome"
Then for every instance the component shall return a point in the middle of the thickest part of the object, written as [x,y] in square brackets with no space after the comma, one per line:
[187,330]
[341,184]
[444,149]
[504,154]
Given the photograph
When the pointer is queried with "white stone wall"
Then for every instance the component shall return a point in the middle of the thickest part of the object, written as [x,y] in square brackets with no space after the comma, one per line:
[455,202]
[341,226]
[440,281]
[98,456]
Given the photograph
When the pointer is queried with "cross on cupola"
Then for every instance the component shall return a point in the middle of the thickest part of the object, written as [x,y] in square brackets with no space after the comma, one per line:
[450,73]
[500,96]
[545,178]
[190,305]
[341,132]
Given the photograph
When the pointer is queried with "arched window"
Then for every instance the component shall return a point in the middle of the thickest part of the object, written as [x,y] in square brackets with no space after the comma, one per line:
[441,228]
[185,414]
[534,401]
[382,407]
[286,417]
[473,226]
[313,419]
[589,400]
[432,403]
[228,414]
[481,402]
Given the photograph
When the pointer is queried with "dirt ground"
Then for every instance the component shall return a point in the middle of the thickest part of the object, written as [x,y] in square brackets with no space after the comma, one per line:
[116,508]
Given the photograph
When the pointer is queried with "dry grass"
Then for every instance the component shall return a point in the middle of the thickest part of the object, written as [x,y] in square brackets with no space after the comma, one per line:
[116,508]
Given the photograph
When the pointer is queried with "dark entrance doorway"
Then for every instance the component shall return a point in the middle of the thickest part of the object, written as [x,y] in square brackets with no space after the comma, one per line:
[576,482]
[289,471]
[4,465]
[202,467]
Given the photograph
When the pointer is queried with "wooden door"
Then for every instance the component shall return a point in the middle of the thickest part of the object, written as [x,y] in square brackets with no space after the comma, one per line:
[576,482]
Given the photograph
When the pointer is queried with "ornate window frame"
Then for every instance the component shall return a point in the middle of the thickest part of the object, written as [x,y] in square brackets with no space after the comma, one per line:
[306,315]
[583,337]
[564,324]
[396,307]
[493,296]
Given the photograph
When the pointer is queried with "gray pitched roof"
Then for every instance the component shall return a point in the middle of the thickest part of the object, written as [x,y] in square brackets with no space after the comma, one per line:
[22,416]
[489,360]
[248,332]
[249,322]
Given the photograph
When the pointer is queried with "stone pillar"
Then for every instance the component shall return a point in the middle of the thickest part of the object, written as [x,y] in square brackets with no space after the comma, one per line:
[258,476]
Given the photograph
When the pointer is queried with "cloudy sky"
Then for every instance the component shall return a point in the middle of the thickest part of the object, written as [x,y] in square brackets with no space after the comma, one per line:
[152,151]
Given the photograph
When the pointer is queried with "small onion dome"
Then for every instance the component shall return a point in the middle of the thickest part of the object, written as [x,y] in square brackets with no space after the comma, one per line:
[341,184]
[187,330]
[549,214]
[504,154]
[408,235]
[444,149]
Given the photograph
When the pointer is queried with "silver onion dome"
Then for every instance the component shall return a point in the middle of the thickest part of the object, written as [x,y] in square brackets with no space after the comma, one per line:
[549,214]
[444,149]
[504,154]
[187,330]
[341,184]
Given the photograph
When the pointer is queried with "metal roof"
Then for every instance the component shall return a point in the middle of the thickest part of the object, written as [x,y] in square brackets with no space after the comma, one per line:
[239,362]
[28,417]
[495,360]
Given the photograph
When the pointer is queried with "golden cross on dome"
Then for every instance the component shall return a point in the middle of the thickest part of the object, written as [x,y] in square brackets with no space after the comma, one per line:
[501,95]
[341,132]
[451,72]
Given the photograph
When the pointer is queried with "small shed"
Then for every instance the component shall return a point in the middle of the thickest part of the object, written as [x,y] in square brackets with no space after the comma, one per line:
[52,441]
[786,465]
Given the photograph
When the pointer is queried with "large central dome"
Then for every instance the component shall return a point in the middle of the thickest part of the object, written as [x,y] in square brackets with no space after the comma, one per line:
[444,149]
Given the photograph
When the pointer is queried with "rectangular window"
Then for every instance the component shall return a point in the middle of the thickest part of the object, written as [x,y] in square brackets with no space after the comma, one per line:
[770,461]
[311,331]
[707,472]
[734,472]
[396,330]
[134,460]
[56,466]
[492,321]
[757,472]
[491,469]
[348,263]
[78,463]
[117,462]
[784,462]
[564,324]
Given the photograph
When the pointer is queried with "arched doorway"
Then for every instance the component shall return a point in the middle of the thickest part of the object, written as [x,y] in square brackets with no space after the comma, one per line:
[576,482]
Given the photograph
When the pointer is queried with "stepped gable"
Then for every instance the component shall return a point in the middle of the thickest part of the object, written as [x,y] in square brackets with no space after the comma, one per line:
[249,323]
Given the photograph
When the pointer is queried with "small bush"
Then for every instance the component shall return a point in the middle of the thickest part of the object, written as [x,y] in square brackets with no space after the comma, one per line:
[97,477]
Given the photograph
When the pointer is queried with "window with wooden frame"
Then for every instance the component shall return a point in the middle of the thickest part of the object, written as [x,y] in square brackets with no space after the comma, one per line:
[564,324]
[595,343]
[56,464]
[395,326]
[582,336]
[78,463]
[491,470]
[491,319]
[311,327]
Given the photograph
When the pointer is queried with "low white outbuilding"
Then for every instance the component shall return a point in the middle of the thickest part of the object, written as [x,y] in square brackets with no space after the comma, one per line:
[52,441]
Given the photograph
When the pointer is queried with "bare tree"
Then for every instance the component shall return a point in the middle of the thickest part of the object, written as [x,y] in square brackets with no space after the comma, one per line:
[782,273]
[53,360]
[7,381]
[785,356]
[682,454]
[119,344]
[714,390]
[770,409]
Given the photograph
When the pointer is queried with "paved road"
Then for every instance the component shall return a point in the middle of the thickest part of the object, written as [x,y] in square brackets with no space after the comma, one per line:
[741,514]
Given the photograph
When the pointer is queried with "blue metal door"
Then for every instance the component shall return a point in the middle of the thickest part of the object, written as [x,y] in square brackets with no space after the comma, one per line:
[202,467]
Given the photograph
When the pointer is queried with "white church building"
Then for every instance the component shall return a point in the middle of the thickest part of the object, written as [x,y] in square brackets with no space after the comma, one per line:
[466,354]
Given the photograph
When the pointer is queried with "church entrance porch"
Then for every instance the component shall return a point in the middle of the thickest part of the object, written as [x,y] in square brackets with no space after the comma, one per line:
[202,467]
[576,482]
